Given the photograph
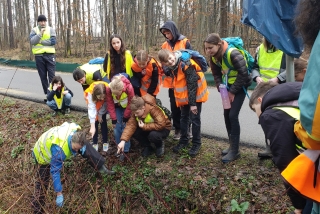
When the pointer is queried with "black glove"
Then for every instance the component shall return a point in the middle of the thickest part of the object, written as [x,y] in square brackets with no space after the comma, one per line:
[124,120]
[114,121]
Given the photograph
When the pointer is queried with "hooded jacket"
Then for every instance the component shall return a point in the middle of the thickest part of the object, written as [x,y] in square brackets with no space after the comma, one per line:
[161,122]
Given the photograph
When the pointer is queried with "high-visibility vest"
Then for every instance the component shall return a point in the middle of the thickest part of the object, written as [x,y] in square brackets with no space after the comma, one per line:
[180,87]
[59,101]
[180,44]
[149,119]
[128,64]
[90,69]
[146,80]
[269,63]
[303,174]
[99,103]
[123,100]
[57,135]
[227,72]
[39,48]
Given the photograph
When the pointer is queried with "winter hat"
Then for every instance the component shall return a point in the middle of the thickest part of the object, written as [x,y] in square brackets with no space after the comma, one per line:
[42,18]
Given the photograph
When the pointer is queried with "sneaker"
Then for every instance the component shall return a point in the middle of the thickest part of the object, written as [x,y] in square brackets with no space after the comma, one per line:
[194,150]
[176,135]
[95,146]
[67,111]
[147,151]
[160,151]
[178,147]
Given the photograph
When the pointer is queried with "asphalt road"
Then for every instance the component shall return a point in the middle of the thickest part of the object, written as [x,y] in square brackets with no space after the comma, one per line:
[25,84]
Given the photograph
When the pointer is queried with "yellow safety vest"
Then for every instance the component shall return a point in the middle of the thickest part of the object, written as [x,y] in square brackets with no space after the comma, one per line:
[89,69]
[39,48]
[269,63]
[129,62]
[123,101]
[59,101]
[57,135]
[149,119]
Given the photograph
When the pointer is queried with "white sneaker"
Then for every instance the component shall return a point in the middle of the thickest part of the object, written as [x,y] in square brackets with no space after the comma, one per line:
[95,146]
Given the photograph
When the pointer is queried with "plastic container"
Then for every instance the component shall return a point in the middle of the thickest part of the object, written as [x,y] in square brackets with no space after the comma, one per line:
[224,96]
[105,147]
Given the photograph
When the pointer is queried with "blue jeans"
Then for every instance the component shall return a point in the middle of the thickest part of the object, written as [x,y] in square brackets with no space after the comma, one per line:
[119,128]
[65,104]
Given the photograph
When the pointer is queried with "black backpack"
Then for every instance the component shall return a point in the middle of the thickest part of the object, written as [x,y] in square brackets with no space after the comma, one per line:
[164,109]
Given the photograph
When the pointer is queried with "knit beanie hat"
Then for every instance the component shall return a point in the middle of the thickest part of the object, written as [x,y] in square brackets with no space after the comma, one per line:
[42,18]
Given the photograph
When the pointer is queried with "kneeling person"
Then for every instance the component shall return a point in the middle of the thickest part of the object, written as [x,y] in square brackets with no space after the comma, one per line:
[148,123]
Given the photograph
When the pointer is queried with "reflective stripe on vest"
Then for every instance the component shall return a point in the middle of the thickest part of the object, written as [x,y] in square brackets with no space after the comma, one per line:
[269,63]
[181,90]
[39,48]
[303,174]
[89,69]
[128,64]
[59,101]
[293,112]
[149,119]
[123,101]
[57,135]
[180,44]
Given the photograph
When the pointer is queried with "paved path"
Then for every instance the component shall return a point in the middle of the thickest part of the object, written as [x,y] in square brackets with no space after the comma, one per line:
[25,83]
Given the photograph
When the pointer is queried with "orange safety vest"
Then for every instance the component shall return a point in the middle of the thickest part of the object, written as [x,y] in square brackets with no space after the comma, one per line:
[99,103]
[146,80]
[303,174]
[180,86]
[180,44]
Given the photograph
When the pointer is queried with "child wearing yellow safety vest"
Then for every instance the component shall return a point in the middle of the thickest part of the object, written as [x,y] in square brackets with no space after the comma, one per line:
[148,124]
[59,96]
[119,95]
[236,79]
[190,91]
[50,151]
[277,109]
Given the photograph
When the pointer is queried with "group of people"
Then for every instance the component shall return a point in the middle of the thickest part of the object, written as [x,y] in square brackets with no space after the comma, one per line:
[125,87]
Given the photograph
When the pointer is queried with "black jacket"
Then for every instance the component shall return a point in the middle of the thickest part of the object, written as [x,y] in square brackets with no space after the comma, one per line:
[278,127]
[51,94]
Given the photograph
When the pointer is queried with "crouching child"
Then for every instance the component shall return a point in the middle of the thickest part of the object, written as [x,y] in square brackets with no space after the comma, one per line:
[147,124]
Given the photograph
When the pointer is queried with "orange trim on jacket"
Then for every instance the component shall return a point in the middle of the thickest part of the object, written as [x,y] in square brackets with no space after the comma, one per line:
[181,90]
[180,44]
[147,78]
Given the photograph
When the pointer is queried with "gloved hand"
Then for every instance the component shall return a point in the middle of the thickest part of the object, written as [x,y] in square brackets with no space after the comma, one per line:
[124,120]
[83,149]
[185,56]
[59,200]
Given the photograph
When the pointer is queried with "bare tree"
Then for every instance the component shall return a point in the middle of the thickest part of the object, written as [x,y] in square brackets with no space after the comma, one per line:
[11,36]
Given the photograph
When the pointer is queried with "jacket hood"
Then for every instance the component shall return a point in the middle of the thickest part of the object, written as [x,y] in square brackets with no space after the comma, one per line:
[171,26]
[281,93]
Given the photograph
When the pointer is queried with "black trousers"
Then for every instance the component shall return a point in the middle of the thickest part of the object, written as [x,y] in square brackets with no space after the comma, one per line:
[104,130]
[46,65]
[156,137]
[175,111]
[43,176]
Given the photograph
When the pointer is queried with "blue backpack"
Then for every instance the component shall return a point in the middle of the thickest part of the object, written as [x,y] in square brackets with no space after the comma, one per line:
[188,54]
[236,42]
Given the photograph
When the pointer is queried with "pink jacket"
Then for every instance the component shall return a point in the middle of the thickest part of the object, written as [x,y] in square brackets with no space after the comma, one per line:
[128,89]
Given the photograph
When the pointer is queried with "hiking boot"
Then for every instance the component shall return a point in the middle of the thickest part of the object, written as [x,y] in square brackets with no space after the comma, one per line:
[194,150]
[176,135]
[160,151]
[103,170]
[67,111]
[178,147]
[147,151]
[233,153]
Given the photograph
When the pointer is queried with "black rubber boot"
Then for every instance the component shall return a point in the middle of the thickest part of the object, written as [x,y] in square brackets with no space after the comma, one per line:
[267,152]
[225,151]
[233,153]
[105,171]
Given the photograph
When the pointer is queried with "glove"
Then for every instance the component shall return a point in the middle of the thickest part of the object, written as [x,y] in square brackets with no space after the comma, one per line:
[59,201]
[114,121]
[185,56]
[83,149]
[124,120]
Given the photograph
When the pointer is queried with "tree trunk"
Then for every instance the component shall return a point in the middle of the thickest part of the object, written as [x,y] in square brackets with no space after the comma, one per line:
[11,37]
[49,13]
[114,14]
[223,19]
[69,19]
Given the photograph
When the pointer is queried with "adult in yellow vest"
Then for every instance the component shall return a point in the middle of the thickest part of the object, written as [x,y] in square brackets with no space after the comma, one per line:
[118,59]
[148,123]
[43,39]
[174,42]
[237,79]
[276,106]
[50,151]
[190,91]
[87,73]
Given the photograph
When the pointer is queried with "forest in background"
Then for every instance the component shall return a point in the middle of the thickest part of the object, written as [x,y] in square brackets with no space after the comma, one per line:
[84,27]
